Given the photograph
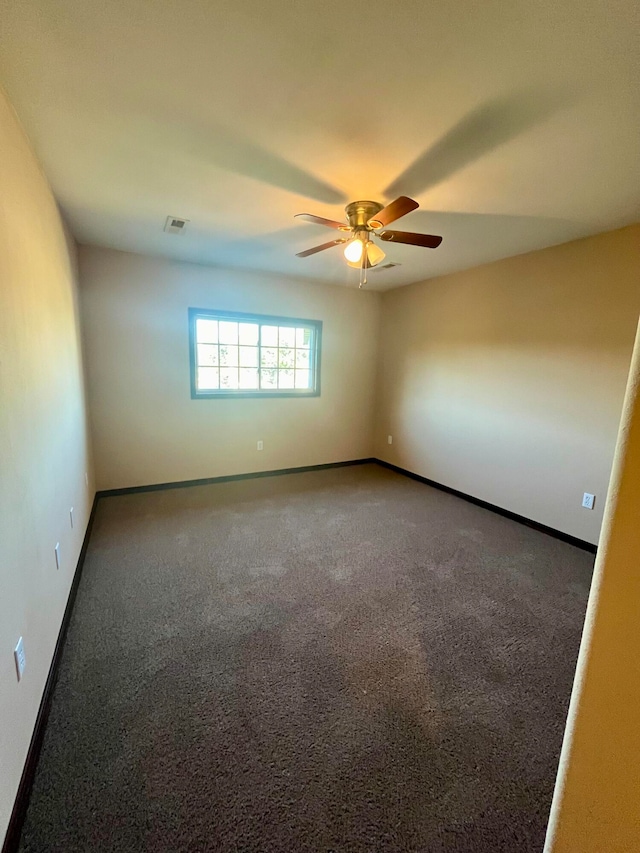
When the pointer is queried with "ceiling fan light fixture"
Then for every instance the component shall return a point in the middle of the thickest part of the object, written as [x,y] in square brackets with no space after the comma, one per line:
[365,217]
[374,254]
[353,250]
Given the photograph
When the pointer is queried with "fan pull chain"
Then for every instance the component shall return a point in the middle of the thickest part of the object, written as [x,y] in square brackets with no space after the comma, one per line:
[363,267]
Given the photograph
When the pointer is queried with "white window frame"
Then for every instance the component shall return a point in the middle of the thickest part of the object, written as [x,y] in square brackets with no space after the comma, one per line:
[315,326]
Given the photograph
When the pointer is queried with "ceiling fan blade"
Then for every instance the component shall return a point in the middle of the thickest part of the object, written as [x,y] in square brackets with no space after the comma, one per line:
[321,248]
[393,211]
[429,241]
[320,220]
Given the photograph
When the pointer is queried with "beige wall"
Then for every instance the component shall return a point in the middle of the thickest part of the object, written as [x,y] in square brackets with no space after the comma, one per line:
[596,806]
[146,427]
[43,439]
[506,381]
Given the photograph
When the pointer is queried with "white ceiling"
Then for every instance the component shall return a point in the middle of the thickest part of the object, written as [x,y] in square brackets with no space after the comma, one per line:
[514,124]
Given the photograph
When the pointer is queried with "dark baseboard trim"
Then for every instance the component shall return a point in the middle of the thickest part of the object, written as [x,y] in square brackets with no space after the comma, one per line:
[550,531]
[208,481]
[16,821]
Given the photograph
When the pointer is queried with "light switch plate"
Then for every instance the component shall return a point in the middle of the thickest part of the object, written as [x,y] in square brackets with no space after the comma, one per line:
[57,553]
[588,500]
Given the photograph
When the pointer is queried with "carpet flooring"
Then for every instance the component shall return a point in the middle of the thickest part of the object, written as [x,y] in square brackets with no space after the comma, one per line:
[339,660]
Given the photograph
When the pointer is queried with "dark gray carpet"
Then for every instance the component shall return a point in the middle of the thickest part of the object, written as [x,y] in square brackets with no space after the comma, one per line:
[343,660]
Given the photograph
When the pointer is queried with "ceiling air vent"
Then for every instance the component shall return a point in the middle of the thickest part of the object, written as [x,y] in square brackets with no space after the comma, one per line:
[389,266]
[175,225]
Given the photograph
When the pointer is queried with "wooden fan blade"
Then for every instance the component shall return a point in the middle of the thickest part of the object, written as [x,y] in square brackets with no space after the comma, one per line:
[393,211]
[320,220]
[324,246]
[429,241]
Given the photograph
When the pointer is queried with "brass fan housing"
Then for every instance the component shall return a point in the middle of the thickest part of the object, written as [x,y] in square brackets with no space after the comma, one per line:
[360,212]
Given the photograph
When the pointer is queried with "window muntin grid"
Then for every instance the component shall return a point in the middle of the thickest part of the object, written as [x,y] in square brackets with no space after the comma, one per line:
[239,355]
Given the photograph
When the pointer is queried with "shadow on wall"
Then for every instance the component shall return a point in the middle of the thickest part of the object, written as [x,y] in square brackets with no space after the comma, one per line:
[505,340]
[527,301]
[506,381]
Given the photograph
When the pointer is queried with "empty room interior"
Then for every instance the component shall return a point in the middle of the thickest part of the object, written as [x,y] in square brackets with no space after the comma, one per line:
[319,426]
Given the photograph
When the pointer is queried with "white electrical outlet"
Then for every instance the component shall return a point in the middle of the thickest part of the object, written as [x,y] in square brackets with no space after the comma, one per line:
[588,500]
[260,445]
[71,516]
[20,659]
[389,439]
[57,553]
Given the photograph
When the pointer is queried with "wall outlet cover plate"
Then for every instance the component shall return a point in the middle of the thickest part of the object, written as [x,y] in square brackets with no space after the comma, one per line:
[588,500]
[20,658]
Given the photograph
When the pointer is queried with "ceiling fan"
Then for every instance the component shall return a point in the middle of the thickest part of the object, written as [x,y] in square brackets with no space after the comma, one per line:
[365,218]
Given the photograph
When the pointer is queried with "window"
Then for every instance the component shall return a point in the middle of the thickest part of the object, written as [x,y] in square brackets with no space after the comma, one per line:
[247,355]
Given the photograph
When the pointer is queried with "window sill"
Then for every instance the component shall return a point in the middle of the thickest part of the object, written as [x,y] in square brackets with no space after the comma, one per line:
[265,395]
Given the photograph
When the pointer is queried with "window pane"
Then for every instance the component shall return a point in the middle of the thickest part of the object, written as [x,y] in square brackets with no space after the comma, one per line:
[229,377]
[248,333]
[208,354]
[228,356]
[228,332]
[269,336]
[208,379]
[286,357]
[269,357]
[285,379]
[303,337]
[207,331]
[302,358]
[248,356]
[287,336]
[249,378]
[303,378]
[268,378]
[246,353]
